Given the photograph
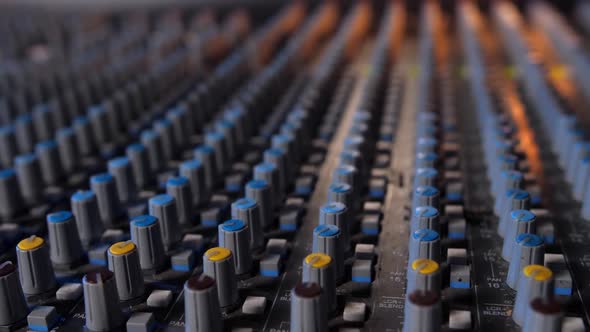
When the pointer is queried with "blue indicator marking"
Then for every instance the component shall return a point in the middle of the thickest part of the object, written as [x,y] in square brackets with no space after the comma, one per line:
[522,215]
[81,120]
[136,147]
[101,178]
[83,195]
[205,149]
[275,152]
[233,187]
[49,144]
[7,173]
[177,181]
[66,131]
[148,134]
[333,207]
[190,164]
[5,130]
[377,193]
[144,220]
[118,162]
[426,212]
[25,158]
[163,199]
[428,191]
[257,184]
[326,230]
[529,240]
[59,217]
[425,234]
[340,187]
[244,203]
[233,225]
[451,196]
[345,169]
[303,190]
[264,167]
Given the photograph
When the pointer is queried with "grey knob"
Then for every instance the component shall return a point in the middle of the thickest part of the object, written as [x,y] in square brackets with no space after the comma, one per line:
[508,180]
[163,207]
[278,158]
[247,210]
[65,246]
[84,138]
[120,168]
[285,143]
[218,263]
[426,145]
[85,210]
[206,155]
[423,274]
[319,268]
[34,266]
[528,249]
[342,193]
[180,122]
[269,173]
[109,207]
[68,149]
[25,133]
[217,141]
[536,281]
[426,217]
[13,305]
[425,177]
[422,312]
[228,129]
[514,199]
[201,305]
[352,157]
[140,165]
[194,171]
[100,126]
[426,196]
[234,235]
[335,213]
[28,174]
[261,192]
[308,313]
[152,143]
[51,168]
[426,159]
[326,240]
[543,315]
[10,201]
[346,174]
[101,301]
[123,260]
[146,234]
[164,128]
[8,149]
[521,221]
[179,188]
[424,243]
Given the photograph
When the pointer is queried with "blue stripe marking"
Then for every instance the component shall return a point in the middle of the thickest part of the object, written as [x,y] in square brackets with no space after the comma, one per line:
[288,227]
[98,261]
[183,268]
[361,279]
[456,235]
[460,284]
[269,273]
[209,223]
[563,291]
[370,231]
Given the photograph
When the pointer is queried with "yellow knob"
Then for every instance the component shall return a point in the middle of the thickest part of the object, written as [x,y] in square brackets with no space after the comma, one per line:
[31,243]
[425,266]
[318,260]
[217,254]
[538,272]
[122,248]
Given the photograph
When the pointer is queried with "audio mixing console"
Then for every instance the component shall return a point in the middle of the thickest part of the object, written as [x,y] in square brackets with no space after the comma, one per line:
[312,166]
